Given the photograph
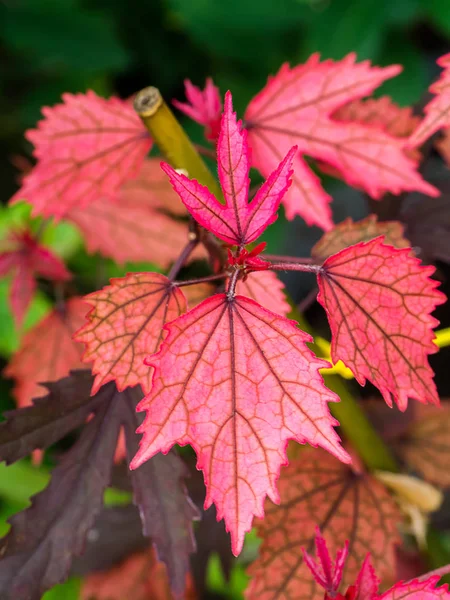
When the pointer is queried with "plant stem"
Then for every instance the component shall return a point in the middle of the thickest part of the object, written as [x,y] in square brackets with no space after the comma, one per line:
[171,138]
[200,280]
[288,266]
[178,149]
[181,260]
[292,259]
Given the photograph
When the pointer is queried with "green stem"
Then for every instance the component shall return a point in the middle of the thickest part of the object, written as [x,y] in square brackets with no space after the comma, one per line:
[175,145]
[171,138]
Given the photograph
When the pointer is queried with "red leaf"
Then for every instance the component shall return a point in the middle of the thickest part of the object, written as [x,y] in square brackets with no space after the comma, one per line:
[238,222]
[317,490]
[236,381]
[417,590]
[438,110]
[378,301]
[47,352]
[326,572]
[265,288]
[125,325]
[86,147]
[296,107]
[347,233]
[204,107]
[140,220]
[27,259]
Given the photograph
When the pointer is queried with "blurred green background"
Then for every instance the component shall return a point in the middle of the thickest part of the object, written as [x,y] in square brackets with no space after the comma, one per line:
[48,47]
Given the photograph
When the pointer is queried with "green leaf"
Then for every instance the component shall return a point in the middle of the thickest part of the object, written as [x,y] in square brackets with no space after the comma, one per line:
[439,14]
[70,590]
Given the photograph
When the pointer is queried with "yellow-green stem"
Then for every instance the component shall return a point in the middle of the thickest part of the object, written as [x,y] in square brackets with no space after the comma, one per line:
[177,148]
[171,138]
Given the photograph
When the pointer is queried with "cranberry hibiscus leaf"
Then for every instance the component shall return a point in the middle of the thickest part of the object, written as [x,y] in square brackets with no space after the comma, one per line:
[60,517]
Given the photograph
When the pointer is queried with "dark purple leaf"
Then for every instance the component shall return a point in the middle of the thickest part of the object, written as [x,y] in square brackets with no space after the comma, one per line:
[38,551]
[166,510]
[50,418]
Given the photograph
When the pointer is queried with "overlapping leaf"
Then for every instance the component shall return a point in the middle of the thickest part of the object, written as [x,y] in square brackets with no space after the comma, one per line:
[125,325]
[48,351]
[238,222]
[65,407]
[425,445]
[417,590]
[349,233]
[38,550]
[296,107]
[26,259]
[203,106]
[317,490]
[236,381]
[437,112]
[265,288]
[166,510]
[140,219]
[378,301]
[86,148]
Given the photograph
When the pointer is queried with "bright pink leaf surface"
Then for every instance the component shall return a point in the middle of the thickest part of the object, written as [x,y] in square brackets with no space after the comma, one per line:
[236,381]
[416,590]
[367,582]
[266,289]
[438,110]
[378,300]
[296,107]
[47,352]
[141,220]
[86,147]
[238,221]
[326,572]
[204,107]
[26,259]
[125,325]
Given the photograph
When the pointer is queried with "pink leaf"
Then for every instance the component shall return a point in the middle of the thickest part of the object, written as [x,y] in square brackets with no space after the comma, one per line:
[378,300]
[328,574]
[236,381]
[238,222]
[204,107]
[417,590]
[296,107]
[26,259]
[86,147]
[367,583]
[141,219]
[265,288]
[47,352]
[438,110]
[125,325]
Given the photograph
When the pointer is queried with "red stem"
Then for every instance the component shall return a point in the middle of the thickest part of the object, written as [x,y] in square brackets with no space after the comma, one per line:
[288,266]
[291,259]
[181,260]
[200,280]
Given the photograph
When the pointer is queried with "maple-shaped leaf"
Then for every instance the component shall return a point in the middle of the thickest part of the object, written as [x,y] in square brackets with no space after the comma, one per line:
[265,288]
[236,381]
[416,590]
[125,326]
[140,220]
[378,301]
[425,444]
[165,508]
[66,406]
[297,106]
[239,221]
[348,233]
[140,577]
[37,552]
[86,147]
[437,111]
[317,490]
[26,259]
[47,351]
[203,106]
[398,121]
